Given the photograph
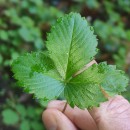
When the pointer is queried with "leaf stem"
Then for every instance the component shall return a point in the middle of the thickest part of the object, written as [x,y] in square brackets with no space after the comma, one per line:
[84,68]
[106,95]
[64,107]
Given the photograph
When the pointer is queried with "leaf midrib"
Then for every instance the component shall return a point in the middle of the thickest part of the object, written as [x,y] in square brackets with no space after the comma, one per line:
[70,50]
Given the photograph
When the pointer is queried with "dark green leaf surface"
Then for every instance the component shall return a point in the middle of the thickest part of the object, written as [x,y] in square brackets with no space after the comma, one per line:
[71,45]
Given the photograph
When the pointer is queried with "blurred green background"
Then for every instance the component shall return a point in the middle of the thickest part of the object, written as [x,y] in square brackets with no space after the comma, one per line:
[23,27]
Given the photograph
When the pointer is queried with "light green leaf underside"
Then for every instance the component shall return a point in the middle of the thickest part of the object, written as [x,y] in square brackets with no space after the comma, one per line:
[71,44]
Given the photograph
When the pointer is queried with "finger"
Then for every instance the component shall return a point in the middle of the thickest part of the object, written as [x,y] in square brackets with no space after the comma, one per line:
[116,112]
[55,120]
[81,118]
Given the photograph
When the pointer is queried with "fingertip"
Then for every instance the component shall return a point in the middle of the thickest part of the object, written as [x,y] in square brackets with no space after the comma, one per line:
[56,104]
[49,120]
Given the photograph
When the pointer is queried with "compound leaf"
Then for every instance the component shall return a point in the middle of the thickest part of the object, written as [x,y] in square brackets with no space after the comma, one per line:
[71,45]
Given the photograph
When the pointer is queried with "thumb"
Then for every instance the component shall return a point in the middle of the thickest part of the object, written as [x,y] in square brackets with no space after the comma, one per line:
[113,114]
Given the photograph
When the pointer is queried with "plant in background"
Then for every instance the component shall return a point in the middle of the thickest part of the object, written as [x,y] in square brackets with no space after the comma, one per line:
[21,117]
[68,67]
[22,27]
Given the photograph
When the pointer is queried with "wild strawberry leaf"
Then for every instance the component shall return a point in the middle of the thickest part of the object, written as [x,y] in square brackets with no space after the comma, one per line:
[71,45]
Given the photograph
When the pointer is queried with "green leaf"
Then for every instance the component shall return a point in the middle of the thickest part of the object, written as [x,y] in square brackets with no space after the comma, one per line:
[31,112]
[21,110]
[25,125]
[33,72]
[89,83]
[71,44]
[26,34]
[10,117]
[3,35]
[115,80]
[36,125]
[71,48]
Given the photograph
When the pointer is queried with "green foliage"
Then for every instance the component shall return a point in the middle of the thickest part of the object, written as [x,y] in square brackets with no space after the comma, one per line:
[71,45]
[22,27]
[23,118]
[10,117]
[25,125]
[120,58]
[21,110]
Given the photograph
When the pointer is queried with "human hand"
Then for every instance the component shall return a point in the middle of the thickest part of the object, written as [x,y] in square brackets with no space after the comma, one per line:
[111,115]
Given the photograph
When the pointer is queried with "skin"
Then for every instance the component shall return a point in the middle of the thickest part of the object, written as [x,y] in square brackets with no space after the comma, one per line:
[111,115]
